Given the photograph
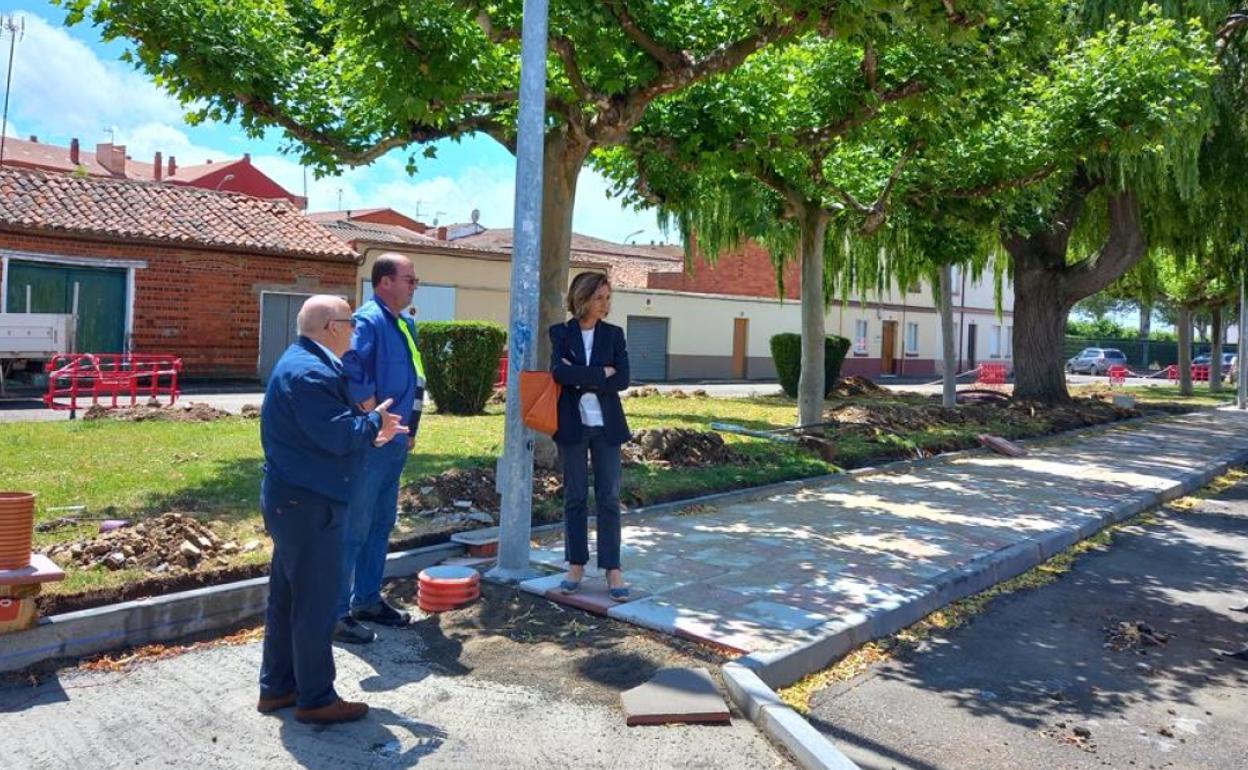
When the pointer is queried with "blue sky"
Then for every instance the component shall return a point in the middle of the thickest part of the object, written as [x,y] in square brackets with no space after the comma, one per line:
[67,83]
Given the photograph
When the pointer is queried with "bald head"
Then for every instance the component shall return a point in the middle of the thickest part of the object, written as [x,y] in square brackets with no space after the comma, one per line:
[326,319]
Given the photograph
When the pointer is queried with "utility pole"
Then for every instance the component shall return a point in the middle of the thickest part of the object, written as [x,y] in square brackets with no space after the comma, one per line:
[515,472]
[15,28]
[1241,376]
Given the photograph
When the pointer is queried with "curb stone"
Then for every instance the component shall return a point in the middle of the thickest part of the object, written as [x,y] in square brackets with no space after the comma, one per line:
[169,617]
[811,749]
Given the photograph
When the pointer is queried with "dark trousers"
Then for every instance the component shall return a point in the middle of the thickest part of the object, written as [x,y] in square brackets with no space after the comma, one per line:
[307,532]
[605,457]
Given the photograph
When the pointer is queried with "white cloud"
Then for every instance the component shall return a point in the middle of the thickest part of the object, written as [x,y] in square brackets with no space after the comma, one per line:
[60,84]
[142,142]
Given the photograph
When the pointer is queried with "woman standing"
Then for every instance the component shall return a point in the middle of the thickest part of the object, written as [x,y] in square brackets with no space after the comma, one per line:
[589,359]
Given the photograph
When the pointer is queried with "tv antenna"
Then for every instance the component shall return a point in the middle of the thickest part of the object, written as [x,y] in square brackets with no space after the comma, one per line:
[15,28]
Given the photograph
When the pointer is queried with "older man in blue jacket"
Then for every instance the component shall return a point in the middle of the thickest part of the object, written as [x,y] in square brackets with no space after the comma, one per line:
[314,442]
[383,364]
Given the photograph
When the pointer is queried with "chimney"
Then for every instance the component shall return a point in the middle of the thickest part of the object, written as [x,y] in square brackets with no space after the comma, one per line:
[156,169]
[73,151]
[442,233]
[247,157]
[173,166]
[111,157]
[34,139]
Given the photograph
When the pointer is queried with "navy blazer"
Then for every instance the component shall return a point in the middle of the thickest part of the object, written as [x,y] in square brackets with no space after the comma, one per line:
[581,377]
[314,438]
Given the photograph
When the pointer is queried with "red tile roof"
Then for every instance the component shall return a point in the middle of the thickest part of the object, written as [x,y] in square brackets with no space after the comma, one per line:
[127,210]
[629,265]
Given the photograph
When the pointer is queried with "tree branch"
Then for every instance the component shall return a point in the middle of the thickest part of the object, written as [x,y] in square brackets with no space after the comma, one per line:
[667,58]
[358,156]
[826,134]
[566,51]
[984,190]
[956,17]
[1124,246]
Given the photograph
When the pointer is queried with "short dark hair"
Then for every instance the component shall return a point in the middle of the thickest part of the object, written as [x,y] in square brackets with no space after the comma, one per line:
[385,265]
[582,290]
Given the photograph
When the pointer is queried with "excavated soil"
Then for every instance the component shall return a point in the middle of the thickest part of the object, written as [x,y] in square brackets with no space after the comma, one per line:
[153,410]
[679,447]
[169,542]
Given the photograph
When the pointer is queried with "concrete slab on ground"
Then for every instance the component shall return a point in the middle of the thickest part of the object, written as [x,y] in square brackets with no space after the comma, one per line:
[798,579]
[675,695]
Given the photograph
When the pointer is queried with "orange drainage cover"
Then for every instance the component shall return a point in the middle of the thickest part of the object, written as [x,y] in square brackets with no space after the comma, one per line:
[447,587]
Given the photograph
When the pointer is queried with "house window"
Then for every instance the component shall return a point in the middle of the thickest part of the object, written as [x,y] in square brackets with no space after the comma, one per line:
[956,280]
[915,287]
[912,339]
[1009,342]
[860,337]
[994,341]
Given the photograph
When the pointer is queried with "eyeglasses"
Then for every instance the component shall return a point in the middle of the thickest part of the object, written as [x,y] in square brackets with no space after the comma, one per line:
[341,321]
[410,280]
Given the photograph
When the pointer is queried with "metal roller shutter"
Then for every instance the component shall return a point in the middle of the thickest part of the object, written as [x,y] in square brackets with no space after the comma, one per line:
[647,348]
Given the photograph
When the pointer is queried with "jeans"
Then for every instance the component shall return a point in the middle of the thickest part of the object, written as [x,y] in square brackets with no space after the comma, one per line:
[299,620]
[370,519]
[606,461]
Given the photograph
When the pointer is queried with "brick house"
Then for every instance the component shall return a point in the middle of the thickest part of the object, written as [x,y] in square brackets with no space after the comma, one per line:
[213,277]
[111,161]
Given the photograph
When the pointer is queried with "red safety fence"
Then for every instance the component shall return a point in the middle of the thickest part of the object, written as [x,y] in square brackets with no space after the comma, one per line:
[1118,374]
[991,374]
[501,382]
[79,380]
[1200,372]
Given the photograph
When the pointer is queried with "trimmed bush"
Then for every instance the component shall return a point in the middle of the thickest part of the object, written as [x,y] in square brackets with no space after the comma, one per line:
[786,352]
[461,362]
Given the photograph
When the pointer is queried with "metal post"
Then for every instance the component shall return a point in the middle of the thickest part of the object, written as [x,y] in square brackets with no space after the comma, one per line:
[1240,349]
[515,477]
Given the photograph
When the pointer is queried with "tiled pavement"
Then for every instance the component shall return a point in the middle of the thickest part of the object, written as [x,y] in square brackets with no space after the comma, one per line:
[779,573]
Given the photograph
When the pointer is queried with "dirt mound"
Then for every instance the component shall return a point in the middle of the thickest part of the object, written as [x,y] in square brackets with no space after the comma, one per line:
[681,447]
[170,541]
[152,410]
[903,417]
[463,492]
[848,387]
[250,411]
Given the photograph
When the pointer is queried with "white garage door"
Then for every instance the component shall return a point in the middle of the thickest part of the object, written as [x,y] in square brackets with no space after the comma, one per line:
[431,302]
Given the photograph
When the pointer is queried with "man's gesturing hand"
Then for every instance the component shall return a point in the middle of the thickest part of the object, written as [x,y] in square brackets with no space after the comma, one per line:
[390,426]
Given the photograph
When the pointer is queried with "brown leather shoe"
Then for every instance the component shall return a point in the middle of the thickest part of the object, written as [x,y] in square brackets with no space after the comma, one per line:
[338,711]
[269,705]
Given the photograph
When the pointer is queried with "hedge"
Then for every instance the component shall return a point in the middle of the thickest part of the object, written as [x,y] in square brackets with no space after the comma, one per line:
[786,353]
[461,362]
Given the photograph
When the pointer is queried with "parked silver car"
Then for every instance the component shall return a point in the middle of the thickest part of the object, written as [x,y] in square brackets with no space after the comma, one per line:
[1095,361]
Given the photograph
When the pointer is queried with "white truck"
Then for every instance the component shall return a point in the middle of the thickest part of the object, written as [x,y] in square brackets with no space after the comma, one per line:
[33,337]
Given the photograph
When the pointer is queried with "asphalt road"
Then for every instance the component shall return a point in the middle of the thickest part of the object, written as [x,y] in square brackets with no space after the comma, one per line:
[1032,684]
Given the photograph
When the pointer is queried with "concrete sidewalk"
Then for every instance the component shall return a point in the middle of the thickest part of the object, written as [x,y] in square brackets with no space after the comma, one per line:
[797,580]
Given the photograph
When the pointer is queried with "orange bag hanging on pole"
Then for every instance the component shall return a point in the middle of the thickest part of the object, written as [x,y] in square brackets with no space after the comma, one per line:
[539,401]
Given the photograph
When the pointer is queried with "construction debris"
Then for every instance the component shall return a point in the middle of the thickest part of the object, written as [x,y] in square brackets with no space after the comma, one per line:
[169,542]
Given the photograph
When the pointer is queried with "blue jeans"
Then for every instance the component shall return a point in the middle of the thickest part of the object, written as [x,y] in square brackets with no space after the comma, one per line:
[370,519]
[299,620]
[606,461]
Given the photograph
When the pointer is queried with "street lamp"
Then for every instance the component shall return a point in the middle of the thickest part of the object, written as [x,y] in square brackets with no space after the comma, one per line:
[224,179]
[635,232]
[515,470]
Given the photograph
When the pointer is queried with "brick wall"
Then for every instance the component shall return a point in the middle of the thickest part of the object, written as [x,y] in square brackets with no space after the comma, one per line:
[201,305]
[748,272]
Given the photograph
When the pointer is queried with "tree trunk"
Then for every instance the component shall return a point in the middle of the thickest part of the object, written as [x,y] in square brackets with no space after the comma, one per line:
[1215,351]
[1184,326]
[1039,328]
[810,385]
[949,370]
[562,160]
[1146,328]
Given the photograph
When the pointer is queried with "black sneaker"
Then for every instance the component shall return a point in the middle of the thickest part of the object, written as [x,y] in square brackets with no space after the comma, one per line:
[383,614]
[348,631]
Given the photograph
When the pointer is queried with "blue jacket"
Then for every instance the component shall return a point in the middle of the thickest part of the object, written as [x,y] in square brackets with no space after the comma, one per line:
[583,377]
[379,363]
[314,437]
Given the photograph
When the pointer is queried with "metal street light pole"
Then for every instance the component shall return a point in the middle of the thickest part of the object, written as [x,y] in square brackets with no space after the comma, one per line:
[515,476]
[1240,349]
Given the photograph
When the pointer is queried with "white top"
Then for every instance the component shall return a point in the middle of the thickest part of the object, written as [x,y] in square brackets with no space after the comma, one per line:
[591,410]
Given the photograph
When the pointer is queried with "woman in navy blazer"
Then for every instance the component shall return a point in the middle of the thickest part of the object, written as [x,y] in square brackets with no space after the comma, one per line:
[589,359]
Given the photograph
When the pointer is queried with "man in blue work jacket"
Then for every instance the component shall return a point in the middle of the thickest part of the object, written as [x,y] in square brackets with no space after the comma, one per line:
[314,441]
[383,363]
